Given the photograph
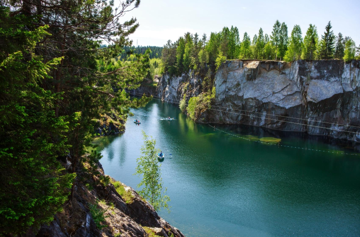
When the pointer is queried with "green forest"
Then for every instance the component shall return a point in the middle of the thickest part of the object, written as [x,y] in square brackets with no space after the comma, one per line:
[197,53]
[56,81]
[155,52]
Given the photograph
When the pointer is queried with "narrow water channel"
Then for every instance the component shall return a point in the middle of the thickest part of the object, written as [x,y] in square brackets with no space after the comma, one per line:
[221,185]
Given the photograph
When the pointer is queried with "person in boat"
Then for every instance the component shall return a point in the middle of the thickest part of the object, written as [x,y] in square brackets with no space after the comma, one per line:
[161,154]
[168,117]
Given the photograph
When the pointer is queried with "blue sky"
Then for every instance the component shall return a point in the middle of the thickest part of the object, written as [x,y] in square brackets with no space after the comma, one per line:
[161,20]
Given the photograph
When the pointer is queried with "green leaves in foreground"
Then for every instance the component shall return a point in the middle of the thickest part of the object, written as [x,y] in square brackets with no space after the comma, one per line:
[33,184]
[149,167]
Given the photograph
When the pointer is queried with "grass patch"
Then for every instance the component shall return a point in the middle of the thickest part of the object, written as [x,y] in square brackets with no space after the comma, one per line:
[127,196]
[97,215]
[270,140]
[150,232]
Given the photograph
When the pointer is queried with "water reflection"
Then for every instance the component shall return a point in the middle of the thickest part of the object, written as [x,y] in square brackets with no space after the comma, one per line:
[221,185]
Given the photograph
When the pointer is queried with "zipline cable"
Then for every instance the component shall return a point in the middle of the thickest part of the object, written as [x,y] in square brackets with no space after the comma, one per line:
[287,146]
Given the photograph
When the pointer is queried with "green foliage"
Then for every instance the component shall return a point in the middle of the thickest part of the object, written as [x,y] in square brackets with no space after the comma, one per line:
[269,51]
[199,104]
[156,52]
[295,45]
[220,60]
[120,189]
[192,107]
[310,43]
[245,51]
[275,37]
[283,40]
[156,67]
[349,50]
[150,232]
[150,169]
[33,184]
[327,43]
[180,55]
[259,45]
[182,104]
[52,95]
[340,47]
[98,215]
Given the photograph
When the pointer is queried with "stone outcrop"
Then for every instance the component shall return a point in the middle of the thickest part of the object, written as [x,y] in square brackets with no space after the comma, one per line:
[316,97]
[122,218]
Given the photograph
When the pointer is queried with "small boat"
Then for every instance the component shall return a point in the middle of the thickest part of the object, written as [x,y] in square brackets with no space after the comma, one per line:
[161,156]
[168,119]
[137,121]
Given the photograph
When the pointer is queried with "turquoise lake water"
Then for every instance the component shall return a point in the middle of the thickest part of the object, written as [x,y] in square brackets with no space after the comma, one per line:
[221,185]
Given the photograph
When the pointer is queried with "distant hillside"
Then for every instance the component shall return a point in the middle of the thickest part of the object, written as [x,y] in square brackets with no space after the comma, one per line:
[155,51]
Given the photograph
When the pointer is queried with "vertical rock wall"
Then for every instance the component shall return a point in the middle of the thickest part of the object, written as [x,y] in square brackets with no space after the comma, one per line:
[316,97]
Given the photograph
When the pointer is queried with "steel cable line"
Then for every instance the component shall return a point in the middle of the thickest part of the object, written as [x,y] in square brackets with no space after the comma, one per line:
[288,117]
[288,146]
[285,121]
[302,124]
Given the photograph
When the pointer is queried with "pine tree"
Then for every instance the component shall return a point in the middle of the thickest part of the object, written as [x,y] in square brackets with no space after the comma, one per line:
[275,37]
[339,48]
[310,43]
[328,41]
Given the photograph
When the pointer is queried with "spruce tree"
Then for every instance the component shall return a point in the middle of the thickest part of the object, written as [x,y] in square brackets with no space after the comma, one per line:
[328,41]
[340,47]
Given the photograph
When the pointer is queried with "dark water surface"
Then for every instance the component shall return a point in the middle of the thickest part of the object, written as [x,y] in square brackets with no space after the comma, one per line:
[221,185]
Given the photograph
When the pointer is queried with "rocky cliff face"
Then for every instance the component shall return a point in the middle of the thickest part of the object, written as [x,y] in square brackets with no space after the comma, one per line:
[172,89]
[315,97]
[121,218]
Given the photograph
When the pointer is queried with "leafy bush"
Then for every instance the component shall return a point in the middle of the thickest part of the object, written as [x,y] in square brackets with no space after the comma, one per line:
[33,184]
[182,104]
[97,215]
[200,104]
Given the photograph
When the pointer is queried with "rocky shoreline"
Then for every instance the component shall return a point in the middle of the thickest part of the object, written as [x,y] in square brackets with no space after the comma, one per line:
[121,217]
